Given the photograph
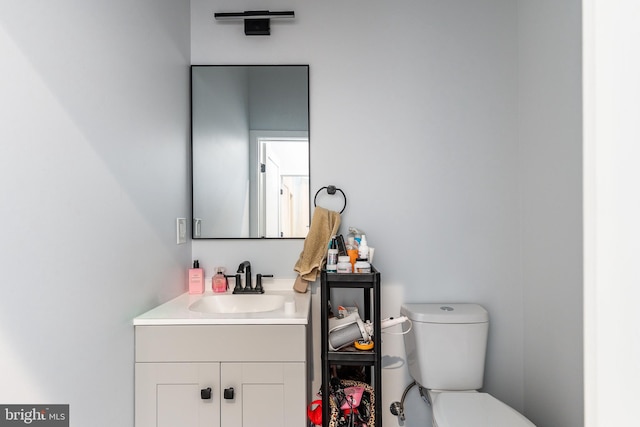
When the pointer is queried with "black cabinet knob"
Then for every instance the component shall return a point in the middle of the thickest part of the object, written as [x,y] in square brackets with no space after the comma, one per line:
[205,393]
[228,393]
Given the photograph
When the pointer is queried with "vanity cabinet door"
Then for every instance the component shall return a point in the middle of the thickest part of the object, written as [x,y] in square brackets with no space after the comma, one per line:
[175,395]
[265,394]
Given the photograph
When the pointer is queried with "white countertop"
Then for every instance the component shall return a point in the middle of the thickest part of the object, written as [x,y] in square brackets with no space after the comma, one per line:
[176,311]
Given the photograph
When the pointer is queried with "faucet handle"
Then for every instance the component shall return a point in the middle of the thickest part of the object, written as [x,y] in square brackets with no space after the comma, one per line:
[259,277]
[238,286]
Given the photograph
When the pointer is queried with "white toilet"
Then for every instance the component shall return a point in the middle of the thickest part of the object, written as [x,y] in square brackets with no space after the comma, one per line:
[446,349]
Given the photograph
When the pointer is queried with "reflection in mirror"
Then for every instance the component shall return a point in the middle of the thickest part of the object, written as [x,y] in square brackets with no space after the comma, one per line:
[250,151]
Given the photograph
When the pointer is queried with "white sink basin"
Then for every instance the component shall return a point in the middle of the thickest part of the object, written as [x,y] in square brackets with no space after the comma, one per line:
[257,303]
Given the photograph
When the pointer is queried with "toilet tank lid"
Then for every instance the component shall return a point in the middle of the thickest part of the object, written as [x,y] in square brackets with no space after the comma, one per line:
[445,313]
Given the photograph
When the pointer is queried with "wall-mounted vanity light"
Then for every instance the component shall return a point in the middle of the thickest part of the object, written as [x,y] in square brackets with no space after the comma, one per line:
[256,22]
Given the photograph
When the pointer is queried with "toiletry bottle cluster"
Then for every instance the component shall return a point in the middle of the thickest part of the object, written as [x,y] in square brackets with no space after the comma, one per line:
[219,281]
[352,256]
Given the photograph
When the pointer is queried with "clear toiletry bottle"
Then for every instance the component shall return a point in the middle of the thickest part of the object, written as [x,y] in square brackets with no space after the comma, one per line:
[196,279]
[219,282]
[356,234]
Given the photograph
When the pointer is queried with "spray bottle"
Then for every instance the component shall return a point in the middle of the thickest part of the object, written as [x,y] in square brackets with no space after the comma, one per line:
[363,249]
[355,233]
[219,282]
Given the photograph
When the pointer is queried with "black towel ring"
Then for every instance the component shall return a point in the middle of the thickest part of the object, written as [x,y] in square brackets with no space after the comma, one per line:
[331,189]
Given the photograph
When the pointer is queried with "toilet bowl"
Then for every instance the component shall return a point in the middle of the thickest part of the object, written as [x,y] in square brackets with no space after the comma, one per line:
[473,409]
[446,346]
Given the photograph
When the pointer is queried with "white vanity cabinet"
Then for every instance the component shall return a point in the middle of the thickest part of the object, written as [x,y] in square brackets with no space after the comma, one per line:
[266,365]
[168,394]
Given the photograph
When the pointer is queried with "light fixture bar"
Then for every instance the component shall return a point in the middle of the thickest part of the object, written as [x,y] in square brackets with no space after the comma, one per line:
[256,22]
[254,14]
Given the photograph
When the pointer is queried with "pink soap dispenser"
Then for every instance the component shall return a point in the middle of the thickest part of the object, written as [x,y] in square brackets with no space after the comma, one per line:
[196,279]
[219,282]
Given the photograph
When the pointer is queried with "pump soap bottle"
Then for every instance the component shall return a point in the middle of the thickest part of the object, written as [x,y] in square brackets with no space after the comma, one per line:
[196,279]
[219,282]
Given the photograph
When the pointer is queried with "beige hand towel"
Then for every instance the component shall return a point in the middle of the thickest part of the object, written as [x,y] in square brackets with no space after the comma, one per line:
[324,224]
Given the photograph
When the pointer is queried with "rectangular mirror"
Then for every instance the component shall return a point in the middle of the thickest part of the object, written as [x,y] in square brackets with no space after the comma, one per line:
[250,151]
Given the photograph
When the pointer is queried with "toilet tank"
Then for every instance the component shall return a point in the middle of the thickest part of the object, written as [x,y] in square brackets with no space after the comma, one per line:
[446,345]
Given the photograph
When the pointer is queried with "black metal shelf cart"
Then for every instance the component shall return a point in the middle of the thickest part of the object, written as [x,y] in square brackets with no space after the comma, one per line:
[371,359]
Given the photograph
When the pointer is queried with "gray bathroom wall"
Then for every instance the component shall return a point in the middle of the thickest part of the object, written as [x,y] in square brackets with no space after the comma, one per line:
[414,116]
[550,133]
[278,98]
[220,117]
[93,173]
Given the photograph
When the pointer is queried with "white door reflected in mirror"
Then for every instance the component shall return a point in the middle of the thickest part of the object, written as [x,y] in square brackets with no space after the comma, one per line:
[283,184]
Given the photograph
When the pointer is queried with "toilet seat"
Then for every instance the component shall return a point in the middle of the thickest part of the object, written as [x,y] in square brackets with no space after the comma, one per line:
[469,409]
